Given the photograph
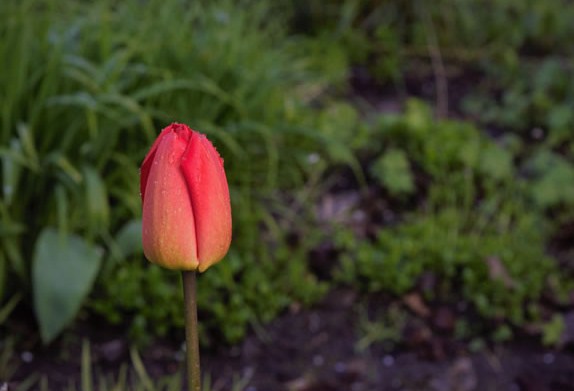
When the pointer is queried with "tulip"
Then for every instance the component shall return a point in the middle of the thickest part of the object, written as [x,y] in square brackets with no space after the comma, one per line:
[185,197]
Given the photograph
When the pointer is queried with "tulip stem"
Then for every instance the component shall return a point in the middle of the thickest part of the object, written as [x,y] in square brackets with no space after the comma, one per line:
[191,331]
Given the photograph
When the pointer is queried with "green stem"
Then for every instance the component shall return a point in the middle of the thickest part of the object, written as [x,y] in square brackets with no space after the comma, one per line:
[191,330]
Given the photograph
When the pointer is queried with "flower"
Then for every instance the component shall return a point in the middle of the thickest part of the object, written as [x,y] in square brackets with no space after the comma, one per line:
[185,197]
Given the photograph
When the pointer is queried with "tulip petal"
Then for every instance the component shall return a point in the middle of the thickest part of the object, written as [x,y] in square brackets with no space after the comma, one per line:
[203,170]
[148,160]
[169,234]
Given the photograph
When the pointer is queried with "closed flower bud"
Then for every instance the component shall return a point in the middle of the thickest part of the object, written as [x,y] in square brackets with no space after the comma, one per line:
[185,197]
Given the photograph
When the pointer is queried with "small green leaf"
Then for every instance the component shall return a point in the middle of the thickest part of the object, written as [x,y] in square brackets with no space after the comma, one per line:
[63,271]
[496,162]
[393,171]
[553,330]
[418,117]
[553,182]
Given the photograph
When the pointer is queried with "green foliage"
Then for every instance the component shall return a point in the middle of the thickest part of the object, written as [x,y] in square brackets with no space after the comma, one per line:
[477,232]
[386,328]
[536,102]
[552,183]
[393,171]
[459,159]
[63,271]
[488,203]
[146,299]
[249,290]
[456,248]
[520,76]
[553,330]
[246,290]
[85,88]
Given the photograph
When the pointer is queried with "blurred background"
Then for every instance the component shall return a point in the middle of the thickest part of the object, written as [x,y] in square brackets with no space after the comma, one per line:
[402,183]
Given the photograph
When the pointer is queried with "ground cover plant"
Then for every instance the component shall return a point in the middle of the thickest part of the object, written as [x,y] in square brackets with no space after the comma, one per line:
[416,159]
[75,164]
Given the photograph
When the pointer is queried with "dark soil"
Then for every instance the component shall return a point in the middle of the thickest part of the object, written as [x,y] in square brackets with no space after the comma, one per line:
[318,350]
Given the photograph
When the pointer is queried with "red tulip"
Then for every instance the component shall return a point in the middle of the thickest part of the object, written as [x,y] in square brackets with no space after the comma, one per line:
[186,208]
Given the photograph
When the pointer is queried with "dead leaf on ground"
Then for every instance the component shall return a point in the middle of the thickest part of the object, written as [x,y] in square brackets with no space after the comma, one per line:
[416,304]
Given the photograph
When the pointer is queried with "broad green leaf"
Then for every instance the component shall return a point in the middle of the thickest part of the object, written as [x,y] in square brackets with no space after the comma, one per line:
[129,239]
[63,271]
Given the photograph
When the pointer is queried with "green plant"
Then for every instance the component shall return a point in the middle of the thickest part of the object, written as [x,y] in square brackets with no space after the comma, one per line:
[451,245]
[385,329]
[247,289]
[84,88]
[57,254]
[393,171]
[478,231]
[538,109]
[551,182]
[553,330]
[147,295]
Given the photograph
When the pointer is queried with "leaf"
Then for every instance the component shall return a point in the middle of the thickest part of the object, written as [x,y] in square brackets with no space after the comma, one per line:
[97,207]
[553,330]
[7,308]
[553,182]
[496,162]
[418,116]
[339,121]
[560,119]
[63,271]
[11,171]
[393,170]
[129,239]
[416,304]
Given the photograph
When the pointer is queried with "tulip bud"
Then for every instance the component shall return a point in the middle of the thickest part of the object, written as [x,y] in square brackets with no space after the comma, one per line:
[186,207]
